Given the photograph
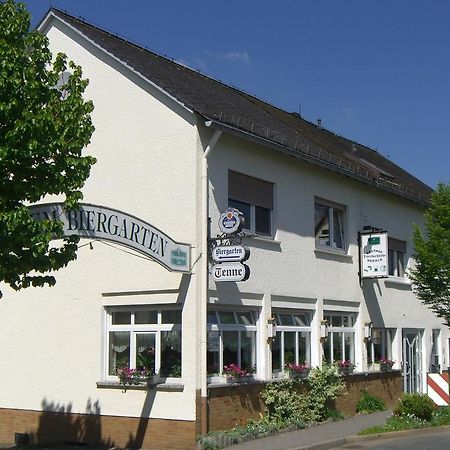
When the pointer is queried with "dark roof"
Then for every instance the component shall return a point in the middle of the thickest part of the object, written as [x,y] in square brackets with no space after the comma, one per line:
[237,111]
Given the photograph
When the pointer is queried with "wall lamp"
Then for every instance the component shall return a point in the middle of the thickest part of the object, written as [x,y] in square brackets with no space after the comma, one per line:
[323,329]
[271,329]
[367,330]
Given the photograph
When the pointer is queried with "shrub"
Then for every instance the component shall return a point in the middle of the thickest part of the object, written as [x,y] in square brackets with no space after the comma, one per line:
[324,384]
[282,401]
[369,404]
[417,405]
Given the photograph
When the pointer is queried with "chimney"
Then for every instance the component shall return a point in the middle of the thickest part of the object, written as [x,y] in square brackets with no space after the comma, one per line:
[319,124]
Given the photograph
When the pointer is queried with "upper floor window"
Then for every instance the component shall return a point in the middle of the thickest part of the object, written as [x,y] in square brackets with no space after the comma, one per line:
[329,222]
[254,198]
[397,257]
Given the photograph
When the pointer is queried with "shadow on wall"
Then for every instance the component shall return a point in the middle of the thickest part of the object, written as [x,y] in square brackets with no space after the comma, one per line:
[372,292]
[57,424]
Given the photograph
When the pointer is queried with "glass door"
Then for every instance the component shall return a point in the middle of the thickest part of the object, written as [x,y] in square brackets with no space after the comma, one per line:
[412,360]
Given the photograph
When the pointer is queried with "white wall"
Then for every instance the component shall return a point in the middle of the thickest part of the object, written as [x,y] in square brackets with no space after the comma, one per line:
[146,166]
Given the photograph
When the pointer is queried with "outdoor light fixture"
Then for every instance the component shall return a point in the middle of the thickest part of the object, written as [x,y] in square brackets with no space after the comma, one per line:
[271,329]
[323,329]
[367,330]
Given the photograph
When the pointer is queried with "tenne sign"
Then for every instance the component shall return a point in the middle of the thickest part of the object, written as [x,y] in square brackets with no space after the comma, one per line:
[99,222]
[230,272]
[374,254]
[230,253]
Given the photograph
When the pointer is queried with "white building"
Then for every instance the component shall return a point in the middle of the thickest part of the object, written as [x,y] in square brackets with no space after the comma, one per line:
[175,148]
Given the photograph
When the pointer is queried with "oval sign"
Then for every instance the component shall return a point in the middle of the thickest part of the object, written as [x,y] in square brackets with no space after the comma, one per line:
[231,221]
[230,253]
[232,271]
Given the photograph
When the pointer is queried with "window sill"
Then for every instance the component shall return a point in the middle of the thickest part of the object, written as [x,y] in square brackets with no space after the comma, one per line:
[256,237]
[159,386]
[397,281]
[330,251]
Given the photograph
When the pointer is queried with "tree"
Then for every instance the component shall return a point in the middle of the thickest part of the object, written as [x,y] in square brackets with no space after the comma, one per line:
[431,274]
[44,125]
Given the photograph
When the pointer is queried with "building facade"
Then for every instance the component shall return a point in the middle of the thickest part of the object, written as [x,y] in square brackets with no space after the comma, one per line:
[174,150]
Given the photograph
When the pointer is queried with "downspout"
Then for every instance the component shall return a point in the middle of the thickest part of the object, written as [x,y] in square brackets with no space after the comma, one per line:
[204,296]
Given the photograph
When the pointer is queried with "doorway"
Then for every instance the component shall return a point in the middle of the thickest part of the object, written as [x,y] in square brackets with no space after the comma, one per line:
[412,360]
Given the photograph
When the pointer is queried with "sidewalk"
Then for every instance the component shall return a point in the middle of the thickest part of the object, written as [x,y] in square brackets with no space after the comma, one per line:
[318,437]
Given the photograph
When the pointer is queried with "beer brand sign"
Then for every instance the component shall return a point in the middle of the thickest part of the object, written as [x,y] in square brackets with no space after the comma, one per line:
[99,222]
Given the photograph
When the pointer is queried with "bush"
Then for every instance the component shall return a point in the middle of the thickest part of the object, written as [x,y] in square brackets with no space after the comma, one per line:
[417,405]
[284,403]
[369,404]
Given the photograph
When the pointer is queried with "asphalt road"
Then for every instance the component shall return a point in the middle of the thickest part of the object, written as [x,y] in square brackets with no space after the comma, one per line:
[437,440]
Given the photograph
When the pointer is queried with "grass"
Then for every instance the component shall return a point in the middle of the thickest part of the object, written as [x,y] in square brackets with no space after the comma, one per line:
[409,422]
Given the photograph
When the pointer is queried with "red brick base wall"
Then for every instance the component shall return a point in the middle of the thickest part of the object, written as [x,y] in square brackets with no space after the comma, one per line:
[230,405]
[59,427]
[387,386]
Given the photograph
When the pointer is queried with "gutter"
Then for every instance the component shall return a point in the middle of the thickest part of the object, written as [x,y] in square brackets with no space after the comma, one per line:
[230,129]
[204,291]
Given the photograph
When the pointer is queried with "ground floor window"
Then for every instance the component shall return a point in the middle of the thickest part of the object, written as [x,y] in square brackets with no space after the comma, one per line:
[231,340]
[144,338]
[380,345]
[292,343]
[339,345]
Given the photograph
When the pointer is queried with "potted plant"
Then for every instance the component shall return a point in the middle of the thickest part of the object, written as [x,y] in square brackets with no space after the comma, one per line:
[345,366]
[234,373]
[129,377]
[298,370]
[386,364]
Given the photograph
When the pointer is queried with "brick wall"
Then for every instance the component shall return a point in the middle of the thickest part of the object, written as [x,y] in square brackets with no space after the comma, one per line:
[59,427]
[388,386]
[229,405]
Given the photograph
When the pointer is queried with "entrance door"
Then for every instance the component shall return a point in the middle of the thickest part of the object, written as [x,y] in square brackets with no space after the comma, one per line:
[412,360]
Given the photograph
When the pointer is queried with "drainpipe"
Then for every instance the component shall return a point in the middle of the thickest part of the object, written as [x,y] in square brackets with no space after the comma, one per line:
[204,296]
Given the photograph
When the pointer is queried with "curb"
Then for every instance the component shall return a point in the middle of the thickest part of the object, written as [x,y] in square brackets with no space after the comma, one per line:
[372,437]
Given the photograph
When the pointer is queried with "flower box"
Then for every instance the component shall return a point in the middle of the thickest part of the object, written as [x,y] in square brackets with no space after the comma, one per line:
[386,365]
[297,371]
[345,367]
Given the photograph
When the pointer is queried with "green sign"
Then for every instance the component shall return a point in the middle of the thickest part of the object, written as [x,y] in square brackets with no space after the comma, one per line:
[178,257]
[374,240]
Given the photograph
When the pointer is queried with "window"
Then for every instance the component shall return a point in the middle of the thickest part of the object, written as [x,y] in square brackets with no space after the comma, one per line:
[292,343]
[231,339]
[380,345]
[144,337]
[254,198]
[396,254]
[340,342]
[329,225]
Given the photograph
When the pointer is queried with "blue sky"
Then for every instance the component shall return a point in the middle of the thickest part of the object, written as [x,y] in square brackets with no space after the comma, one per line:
[374,71]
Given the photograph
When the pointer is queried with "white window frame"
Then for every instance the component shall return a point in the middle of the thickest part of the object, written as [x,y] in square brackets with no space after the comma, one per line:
[342,213]
[345,330]
[135,329]
[282,329]
[236,327]
[394,269]
[244,190]
[387,345]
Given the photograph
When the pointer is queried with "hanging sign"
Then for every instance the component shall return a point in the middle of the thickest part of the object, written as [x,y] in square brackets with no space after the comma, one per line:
[231,271]
[99,222]
[231,221]
[374,254]
[230,253]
